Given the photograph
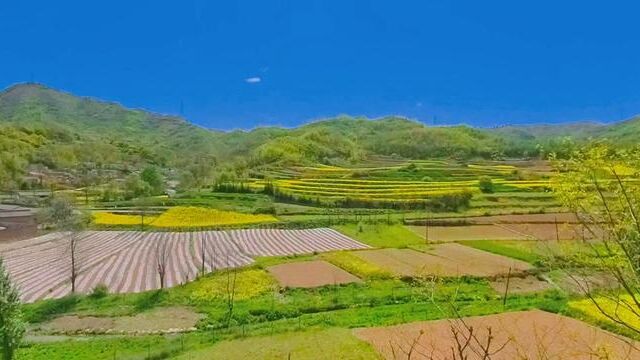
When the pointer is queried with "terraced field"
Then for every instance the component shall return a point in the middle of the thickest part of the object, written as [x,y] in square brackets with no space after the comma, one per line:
[127,261]
[386,190]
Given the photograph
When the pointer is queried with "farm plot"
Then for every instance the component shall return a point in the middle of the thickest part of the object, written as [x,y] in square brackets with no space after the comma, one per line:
[309,274]
[517,231]
[467,232]
[531,334]
[444,260]
[550,218]
[16,223]
[129,261]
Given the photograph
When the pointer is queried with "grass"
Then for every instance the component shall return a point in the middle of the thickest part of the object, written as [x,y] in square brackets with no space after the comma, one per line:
[521,250]
[103,348]
[548,254]
[383,314]
[327,344]
[382,236]
[257,304]
[246,203]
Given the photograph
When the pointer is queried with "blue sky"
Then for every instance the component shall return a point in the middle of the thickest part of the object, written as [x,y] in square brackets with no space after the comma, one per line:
[240,64]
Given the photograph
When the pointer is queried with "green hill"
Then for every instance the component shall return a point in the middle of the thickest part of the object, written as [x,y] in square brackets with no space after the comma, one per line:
[40,126]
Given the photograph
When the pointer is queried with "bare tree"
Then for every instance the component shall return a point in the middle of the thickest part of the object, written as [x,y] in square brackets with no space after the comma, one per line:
[467,342]
[62,214]
[204,253]
[599,184]
[162,259]
[73,252]
[142,207]
[232,276]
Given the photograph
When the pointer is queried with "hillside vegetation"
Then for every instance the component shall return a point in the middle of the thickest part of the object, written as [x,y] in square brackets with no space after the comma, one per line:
[42,128]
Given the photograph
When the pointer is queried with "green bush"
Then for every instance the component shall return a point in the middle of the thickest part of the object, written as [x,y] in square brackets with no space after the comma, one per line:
[485,184]
[100,291]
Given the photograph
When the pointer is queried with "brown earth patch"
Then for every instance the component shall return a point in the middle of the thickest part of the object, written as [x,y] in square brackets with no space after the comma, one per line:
[531,334]
[167,319]
[515,231]
[468,232]
[444,260]
[17,228]
[550,232]
[520,285]
[547,218]
[579,283]
[310,274]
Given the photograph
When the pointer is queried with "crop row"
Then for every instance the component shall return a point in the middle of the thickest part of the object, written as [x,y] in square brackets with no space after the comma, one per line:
[128,261]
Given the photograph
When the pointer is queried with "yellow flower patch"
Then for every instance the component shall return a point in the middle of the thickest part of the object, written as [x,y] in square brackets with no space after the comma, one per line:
[191,216]
[107,218]
[248,284]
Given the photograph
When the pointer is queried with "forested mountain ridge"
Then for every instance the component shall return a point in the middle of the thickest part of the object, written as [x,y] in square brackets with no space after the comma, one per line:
[46,127]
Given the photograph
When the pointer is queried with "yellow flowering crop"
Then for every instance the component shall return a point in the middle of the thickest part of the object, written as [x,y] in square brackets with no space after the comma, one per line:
[107,218]
[248,284]
[618,311]
[357,266]
[191,216]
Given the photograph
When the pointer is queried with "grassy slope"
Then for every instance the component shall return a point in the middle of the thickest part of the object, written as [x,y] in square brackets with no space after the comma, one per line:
[327,344]
[375,315]
[378,235]
[521,250]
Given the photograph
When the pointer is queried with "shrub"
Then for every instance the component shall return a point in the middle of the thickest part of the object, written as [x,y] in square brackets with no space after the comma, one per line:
[450,202]
[100,291]
[485,184]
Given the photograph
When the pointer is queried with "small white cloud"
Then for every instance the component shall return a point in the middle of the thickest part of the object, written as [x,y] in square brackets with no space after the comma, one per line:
[252,80]
[418,104]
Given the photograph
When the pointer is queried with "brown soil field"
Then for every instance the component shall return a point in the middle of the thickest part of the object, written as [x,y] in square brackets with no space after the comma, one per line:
[17,228]
[444,260]
[468,232]
[519,285]
[547,218]
[551,218]
[169,319]
[578,283]
[310,274]
[531,334]
[519,231]
[550,232]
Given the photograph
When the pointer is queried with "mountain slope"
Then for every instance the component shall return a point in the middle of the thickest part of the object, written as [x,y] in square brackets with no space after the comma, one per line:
[43,126]
[164,138]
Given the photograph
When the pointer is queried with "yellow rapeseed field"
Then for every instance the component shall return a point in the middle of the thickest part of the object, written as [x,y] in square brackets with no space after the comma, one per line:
[619,311]
[191,216]
[183,217]
[248,284]
[107,218]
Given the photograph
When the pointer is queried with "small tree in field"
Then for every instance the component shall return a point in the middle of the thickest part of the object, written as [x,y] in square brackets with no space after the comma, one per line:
[162,260]
[12,327]
[485,184]
[63,216]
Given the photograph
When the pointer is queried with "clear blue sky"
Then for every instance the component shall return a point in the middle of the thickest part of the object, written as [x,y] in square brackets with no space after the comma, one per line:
[230,64]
